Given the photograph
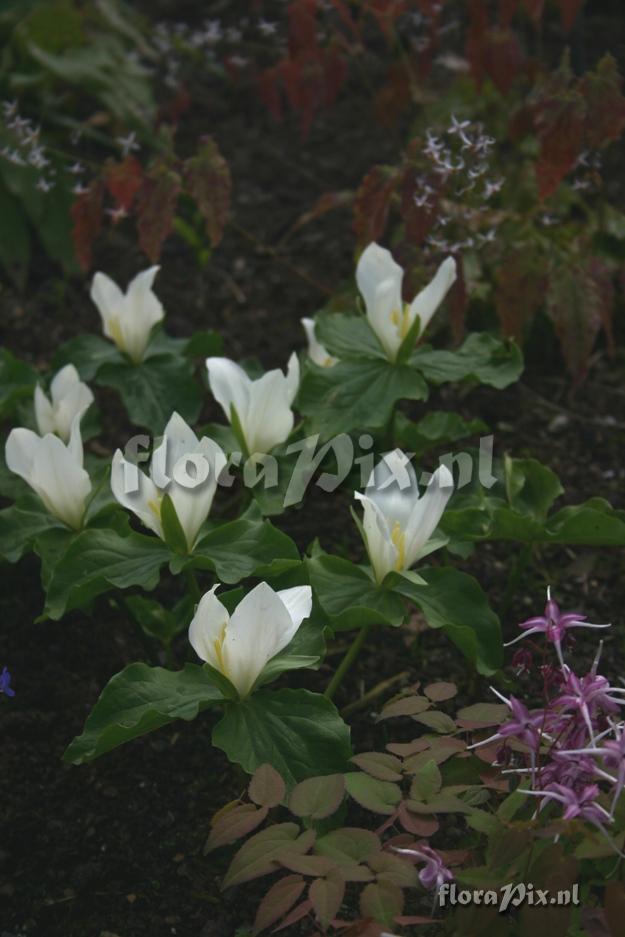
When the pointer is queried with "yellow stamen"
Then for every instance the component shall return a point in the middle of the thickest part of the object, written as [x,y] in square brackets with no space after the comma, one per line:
[401,320]
[155,507]
[219,653]
[398,537]
[115,330]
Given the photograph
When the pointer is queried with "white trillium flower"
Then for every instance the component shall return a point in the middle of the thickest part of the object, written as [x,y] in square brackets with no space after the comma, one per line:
[53,469]
[379,280]
[183,467]
[128,318]
[397,522]
[317,352]
[263,406]
[69,398]
[240,645]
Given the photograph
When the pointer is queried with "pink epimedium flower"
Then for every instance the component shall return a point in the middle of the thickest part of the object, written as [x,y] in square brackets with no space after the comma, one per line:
[554,624]
[434,873]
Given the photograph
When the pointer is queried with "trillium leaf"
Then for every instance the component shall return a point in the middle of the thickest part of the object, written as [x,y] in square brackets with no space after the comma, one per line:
[348,595]
[20,524]
[245,547]
[17,382]
[306,650]
[139,700]
[348,336]
[88,353]
[434,429]
[298,732]
[454,602]
[481,357]
[531,488]
[98,560]
[151,391]
[356,395]
[172,529]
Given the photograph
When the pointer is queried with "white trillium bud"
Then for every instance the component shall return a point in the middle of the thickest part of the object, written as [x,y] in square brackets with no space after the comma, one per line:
[53,469]
[317,352]
[128,318]
[263,406]
[379,280]
[69,398]
[183,467]
[397,522]
[240,645]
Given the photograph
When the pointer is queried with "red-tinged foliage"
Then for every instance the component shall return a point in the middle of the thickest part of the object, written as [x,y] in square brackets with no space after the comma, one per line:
[123,180]
[507,9]
[269,88]
[534,9]
[601,90]
[156,206]
[296,915]
[458,301]
[521,284]
[394,97]
[559,115]
[344,12]
[386,13]
[573,305]
[87,222]
[604,284]
[208,181]
[569,10]
[278,901]
[302,16]
[502,58]
[372,204]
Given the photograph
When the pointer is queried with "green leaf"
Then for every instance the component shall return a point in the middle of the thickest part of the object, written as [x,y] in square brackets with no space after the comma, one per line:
[348,845]
[593,523]
[427,783]
[259,855]
[151,391]
[455,602]
[434,429]
[174,535]
[317,798]
[101,559]
[15,243]
[88,353]
[349,596]
[155,620]
[298,732]
[245,547]
[204,344]
[347,336]
[17,382]
[383,901]
[20,524]
[373,794]
[139,700]
[481,357]
[355,396]
[306,650]
[531,488]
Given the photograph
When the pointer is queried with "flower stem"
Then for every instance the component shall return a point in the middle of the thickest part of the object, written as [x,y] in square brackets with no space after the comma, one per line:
[193,586]
[347,661]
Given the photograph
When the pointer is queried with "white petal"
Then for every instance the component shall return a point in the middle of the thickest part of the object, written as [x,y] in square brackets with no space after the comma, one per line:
[429,299]
[384,315]
[193,503]
[292,378]
[207,628]
[298,602]
[393,488]
[74,446]
[76,401]
[60,480]
[270,418]
[142,310]
[145,501]
[21,450]
[427,513]
[63,382]
[108,298]
[44,412]
[375,266]
[382,552]
[229,385]
[259,628]
[317,352]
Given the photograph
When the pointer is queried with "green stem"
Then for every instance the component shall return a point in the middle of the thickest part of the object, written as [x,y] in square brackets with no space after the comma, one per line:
[192,584]
[347,661]
[521,564]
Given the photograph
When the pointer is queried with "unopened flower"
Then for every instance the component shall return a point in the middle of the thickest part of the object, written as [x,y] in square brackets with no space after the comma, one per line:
[5,683]
[53,469]
[69,398]
[261,408]
[398,523]
[191,494]
[379,280]
[317,352]
[128,318]
[240,645]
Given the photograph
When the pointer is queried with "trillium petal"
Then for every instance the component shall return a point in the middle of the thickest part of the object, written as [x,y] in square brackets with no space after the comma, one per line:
[317,352]
[393,487]
[292,378]
[109,299]
[60,480]
[207,629]
[270,418]
[230,386]
[20,451]
[376,265]
[142,310]
[259,628]
[194,499]
[63,382]
[427,512]
[44,412]
[298,603]
[429,299]
[383,554]
[144,501]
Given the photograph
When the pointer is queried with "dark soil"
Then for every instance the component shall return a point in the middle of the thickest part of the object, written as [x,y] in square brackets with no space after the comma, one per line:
[114,849]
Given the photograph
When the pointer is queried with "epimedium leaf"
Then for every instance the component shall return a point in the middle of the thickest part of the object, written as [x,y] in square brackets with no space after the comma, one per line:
[383,901]
[262,853]
[356,395]
[379,765]
[348,845]
[373,794]
[138,700]
[349,596]
[233,823]
[453,601]
[99,559]
[266,788]
[153,389]
[327,896]
[317,798]
[481,357]
[278,901]
[348,336]
[298,732]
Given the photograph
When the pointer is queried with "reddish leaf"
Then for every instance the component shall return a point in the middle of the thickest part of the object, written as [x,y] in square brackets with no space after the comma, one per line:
[208,181]
[507,9]
[156,207]
[259,855]
[267,789]
[317,798]
[269,87]
[438,692]
[569,10]
[234,823]
[406,706]
[382,901]
[296,915]
[475,41]
[481,715]
[327,896]
[344,12]
[418,825]
[521,284]
[279,899]
[87,222]
[123,180]
[615,907]
[534,9]
[573,306]
[502,58]
[394,97]
[458,301]
[602,276]
[372,204]
[606,105]
[560,126]
[302,16]
[379,765]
